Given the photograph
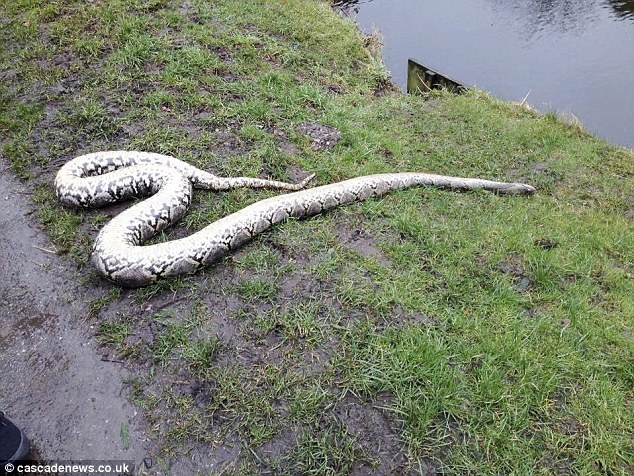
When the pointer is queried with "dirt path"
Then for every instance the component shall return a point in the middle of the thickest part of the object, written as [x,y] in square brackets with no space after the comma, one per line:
[53,383]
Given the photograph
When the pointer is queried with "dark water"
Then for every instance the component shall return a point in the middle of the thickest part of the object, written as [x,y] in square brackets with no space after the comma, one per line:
[573,56]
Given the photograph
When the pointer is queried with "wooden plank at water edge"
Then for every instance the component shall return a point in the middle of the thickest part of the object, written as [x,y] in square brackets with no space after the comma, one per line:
[421,79]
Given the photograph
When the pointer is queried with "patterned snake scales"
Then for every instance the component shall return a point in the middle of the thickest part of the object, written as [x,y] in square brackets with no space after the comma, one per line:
[102,178]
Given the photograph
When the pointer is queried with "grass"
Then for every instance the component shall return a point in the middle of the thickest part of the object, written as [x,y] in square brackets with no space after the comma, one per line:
[125,435]
[468,333]
[330,452]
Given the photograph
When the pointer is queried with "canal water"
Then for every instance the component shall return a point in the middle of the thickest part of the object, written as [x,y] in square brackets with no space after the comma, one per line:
[568,56]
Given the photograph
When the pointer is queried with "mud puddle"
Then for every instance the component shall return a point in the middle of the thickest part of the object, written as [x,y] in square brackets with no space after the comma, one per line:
[53,382]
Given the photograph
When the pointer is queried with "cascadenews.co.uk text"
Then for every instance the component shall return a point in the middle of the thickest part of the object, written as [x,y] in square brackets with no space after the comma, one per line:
[71,468]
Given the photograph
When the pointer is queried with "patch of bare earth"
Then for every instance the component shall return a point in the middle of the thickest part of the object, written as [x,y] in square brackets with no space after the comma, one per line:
[513,266]
[376,434]
[55,385]
[322,136]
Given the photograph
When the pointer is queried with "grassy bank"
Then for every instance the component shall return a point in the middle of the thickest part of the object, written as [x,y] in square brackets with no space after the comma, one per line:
[425,331]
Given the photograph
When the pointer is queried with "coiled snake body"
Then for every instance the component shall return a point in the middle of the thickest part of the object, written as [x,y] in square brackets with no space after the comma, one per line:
[102,178]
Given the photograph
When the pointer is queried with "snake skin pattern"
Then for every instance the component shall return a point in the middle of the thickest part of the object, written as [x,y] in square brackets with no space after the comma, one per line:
[102,178]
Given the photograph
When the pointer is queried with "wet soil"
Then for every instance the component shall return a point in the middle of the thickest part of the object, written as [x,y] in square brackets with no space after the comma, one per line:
[53,381]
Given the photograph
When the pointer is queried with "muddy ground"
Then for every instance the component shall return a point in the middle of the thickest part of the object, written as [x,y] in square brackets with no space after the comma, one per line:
[54,383]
